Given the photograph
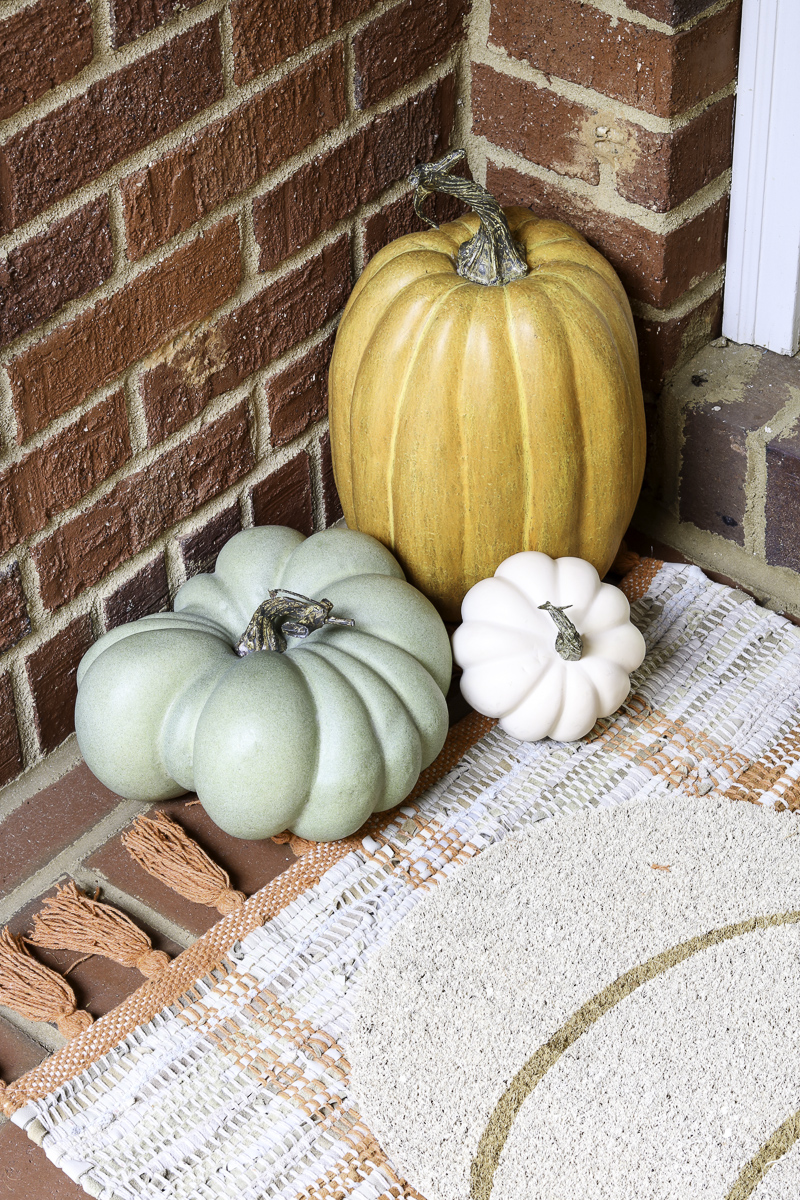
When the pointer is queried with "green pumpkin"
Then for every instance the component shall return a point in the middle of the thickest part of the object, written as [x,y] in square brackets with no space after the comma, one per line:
[313,739]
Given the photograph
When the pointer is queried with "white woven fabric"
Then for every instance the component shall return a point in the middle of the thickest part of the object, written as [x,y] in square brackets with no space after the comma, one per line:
[242,1089]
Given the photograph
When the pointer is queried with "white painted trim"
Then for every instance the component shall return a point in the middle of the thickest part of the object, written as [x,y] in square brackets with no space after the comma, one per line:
[762,288]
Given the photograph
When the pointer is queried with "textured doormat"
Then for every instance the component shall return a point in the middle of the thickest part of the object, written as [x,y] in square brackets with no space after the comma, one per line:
[601,1007]
[226,1075]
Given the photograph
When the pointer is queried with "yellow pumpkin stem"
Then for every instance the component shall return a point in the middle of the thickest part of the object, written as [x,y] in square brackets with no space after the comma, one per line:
[166,852]
[71,920]
[34,991]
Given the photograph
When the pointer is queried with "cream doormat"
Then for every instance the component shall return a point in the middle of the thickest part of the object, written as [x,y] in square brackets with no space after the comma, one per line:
[602,1008]
[227,1077]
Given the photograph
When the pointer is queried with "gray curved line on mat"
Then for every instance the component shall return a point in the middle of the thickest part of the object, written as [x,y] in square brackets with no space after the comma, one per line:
[498,1127]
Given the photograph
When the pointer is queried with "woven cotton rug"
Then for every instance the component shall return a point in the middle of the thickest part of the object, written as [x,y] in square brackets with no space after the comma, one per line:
[227,1077]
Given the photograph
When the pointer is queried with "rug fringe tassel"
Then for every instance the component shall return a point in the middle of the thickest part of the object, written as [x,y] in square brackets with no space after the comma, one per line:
[71,920]
[169,854]
[34,991]
[625,561]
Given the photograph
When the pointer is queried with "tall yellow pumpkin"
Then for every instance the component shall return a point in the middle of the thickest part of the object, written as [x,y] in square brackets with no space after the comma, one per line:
[471,420]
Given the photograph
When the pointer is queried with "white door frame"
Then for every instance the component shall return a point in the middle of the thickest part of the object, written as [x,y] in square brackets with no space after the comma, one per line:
[762,285]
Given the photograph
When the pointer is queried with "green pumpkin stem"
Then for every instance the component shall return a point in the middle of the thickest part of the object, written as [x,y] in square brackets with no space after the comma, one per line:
[283,610]
[568,642]
[491,257]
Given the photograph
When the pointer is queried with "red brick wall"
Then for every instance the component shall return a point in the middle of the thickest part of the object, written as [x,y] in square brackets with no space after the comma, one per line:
[616,115]
[187,192]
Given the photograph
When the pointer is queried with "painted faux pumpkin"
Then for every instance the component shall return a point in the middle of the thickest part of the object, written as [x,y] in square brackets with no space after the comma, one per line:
[546,647]
[485,396]
[300,686]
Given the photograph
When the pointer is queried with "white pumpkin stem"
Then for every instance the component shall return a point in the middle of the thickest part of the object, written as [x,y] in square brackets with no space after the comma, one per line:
[568,642]
[165,850]
[71,920]
[491,257]
[34,991]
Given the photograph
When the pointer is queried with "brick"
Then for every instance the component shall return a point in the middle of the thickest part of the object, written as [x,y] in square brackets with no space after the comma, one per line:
[330,496]
[131,18]
[99,983]
[251,865]
[51,674]
[146,592]
[113,118]
[60,371]
[133,514]
[666,343]
[277,318]
[14,620]
[73,256]
[671,12]
[662,73]
[63,470]
[398,218]
[402,43]
[534,122]
[298,396]
[11,762]
[40,47]
[18,1053]
[50,821]
[725,401]
[230,155]
[267,33]
[656,170]
[284,497]
[654,267]
[199,550]
[26,1171]
[328,189]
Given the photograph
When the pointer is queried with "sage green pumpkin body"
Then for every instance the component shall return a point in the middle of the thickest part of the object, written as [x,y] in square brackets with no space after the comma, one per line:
[314,739]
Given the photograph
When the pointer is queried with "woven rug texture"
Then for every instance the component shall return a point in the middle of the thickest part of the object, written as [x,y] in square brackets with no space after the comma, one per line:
[239,1087]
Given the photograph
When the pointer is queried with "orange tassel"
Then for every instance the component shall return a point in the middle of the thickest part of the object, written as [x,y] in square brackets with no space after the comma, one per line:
[166,851]
[36,992]
[71,920]
[625,561]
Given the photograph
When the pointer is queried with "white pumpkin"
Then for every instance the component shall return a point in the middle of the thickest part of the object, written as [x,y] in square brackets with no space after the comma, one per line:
[546,647]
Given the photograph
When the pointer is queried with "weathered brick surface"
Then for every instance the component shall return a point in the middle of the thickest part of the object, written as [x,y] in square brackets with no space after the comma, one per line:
[330,496]
[535,122]
[398,218]
[656,170]
[661,73]
[671,12]
[10,749]
[230,155]
[713,478]
[268,32]
[60,371]
[131,18]
[654,267]
[298,396]
[51,673]
[199,549]
[284,497]
[18,1053]
[25,1171]
[65,468]
[402,43]
[40,47]
[110,120]
[783,502]
[67,261]
[667,343]
[146,592]
[276,319]
[142,506]
[14,619]
[318,195]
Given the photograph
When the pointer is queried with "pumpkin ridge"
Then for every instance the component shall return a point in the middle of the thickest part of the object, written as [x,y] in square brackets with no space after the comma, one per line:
[401,394]
[525,424]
